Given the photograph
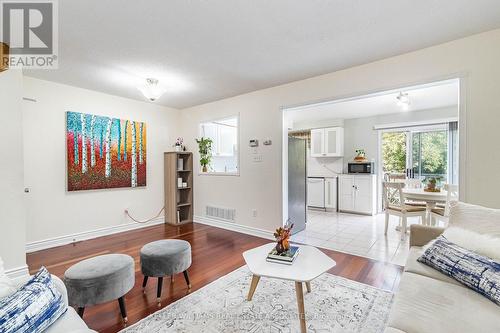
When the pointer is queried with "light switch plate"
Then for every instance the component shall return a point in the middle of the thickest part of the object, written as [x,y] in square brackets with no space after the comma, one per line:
[257,158]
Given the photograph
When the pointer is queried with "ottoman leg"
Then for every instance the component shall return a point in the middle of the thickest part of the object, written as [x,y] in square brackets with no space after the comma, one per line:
[144,282]
[81,310]
[123,310]
[158,291]
[186,276]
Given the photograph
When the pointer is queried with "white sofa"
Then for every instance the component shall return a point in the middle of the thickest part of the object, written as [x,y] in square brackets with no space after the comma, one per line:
[428,301]
[69,322]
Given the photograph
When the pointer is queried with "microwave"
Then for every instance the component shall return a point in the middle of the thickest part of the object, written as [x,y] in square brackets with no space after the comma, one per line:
[364,167]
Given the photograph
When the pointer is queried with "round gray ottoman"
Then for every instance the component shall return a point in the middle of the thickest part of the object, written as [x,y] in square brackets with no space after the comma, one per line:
[165,257]
[100,279]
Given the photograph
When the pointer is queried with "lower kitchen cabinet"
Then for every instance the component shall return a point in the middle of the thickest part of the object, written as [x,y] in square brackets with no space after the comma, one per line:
[358,194]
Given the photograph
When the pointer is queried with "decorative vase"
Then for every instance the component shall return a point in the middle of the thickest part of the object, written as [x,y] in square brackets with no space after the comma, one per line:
[178,148]
[280,248]
[204,169]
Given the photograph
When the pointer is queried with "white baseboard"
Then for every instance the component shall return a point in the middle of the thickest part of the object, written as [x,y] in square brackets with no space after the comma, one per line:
[234,227]
[18,272]
[68,239]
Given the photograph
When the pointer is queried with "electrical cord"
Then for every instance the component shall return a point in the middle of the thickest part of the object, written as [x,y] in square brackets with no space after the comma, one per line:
[145,221]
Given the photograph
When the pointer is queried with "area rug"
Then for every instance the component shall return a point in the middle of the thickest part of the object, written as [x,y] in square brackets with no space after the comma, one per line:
[335,305]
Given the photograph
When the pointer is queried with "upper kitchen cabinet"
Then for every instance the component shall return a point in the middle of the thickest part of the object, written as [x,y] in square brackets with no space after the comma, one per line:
[327,142]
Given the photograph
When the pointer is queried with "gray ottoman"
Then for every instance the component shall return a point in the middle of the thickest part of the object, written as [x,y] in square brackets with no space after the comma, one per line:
[100,279]
[165,257]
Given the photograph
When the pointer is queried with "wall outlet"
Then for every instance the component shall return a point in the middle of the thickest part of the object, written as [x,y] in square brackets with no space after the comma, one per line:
[254,212]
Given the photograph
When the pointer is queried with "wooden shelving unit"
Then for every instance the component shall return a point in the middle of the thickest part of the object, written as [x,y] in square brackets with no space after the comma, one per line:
[178,200]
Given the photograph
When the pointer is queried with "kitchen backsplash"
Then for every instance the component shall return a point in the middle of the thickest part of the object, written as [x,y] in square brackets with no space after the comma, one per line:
[323,166]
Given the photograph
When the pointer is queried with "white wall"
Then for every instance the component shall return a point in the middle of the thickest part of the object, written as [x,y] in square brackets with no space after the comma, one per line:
[51,210]
[12,208]
[259,186]
[359,132]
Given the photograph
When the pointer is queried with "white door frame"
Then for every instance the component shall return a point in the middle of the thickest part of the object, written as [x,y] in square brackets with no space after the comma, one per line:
[462,78]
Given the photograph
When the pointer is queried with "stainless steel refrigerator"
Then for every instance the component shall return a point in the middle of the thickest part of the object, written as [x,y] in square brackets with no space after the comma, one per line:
[297,183]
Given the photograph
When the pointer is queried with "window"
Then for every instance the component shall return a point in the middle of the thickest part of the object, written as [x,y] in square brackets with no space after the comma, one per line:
[224,135]
[419,152]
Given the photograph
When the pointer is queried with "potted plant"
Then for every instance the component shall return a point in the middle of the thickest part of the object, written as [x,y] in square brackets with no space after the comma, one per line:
[360,155]
[205,150]
[431,183]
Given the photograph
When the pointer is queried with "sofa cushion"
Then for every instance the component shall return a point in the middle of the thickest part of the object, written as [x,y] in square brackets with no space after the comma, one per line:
[68,322]
[424,304]
[475,218]
[33,307]
[413,266]
[475,271]
[483,244]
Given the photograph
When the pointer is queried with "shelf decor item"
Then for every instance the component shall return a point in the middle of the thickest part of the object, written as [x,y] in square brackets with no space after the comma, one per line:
[205,150]
[178,144]
[431,184]
[282,235]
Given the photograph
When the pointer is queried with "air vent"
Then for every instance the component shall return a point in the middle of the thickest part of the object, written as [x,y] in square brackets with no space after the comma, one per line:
[227,214]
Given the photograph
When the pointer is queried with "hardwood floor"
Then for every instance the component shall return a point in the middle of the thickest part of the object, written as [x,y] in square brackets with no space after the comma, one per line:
[216,252]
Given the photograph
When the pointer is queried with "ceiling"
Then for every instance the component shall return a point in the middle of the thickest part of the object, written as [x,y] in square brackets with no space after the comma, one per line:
[203,50]
[423,97]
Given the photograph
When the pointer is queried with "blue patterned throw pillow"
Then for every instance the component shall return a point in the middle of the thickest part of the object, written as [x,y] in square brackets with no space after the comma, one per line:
[32,308]
[475,271]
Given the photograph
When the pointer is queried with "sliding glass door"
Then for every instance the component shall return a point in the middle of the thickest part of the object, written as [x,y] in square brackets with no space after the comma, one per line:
[429,154]
[417,152]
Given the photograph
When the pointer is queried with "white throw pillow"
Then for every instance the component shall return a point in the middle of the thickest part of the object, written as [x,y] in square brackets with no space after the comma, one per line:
[7,287]
[479,219]
[480,243]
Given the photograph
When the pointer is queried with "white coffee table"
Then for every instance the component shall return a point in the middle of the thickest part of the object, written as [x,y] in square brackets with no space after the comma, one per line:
[309,264]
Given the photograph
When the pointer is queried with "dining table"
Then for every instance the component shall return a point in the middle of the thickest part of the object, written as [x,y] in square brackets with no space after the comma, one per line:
[430,198]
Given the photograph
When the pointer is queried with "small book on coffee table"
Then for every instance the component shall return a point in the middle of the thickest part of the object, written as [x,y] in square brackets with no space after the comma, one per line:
[286,257]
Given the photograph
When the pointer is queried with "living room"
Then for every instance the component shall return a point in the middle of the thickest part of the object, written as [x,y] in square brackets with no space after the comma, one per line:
[199,66]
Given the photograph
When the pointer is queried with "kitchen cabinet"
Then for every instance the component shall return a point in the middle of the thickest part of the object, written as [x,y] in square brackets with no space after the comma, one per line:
[327,142]
[331,193]
[358,194]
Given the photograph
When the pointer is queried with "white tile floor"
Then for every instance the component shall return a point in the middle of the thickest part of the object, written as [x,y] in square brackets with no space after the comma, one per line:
[356,234]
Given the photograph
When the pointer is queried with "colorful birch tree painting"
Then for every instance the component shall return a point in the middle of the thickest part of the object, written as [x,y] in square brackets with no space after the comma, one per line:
[104,152]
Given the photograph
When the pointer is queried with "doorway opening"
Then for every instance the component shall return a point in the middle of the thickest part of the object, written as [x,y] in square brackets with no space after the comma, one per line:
[411,131]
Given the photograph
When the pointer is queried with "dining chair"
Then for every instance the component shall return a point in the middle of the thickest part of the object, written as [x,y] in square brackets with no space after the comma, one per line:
[443,212]
[395,177]
[394,203]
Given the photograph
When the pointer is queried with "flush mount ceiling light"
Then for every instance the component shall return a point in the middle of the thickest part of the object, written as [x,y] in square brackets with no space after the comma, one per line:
[403,101]
[151,90]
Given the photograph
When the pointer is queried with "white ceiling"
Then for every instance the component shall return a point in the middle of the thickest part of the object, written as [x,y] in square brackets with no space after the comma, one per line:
[207,50]
[424,97]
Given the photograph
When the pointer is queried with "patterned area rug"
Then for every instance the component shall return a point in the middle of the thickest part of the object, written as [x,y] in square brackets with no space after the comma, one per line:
[334,305]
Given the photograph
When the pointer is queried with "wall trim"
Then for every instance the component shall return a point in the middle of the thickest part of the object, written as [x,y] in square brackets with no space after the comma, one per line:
[234,227]
[85,235]
[17,272]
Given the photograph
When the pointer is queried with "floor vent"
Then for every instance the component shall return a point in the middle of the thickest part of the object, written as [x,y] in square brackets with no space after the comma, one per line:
[227,214]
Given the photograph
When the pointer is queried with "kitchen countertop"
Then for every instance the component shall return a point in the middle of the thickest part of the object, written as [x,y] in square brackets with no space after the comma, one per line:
[322,176]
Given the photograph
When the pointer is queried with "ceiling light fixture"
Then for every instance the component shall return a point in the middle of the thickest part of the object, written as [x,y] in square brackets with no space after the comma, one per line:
[151,90]
[403,101]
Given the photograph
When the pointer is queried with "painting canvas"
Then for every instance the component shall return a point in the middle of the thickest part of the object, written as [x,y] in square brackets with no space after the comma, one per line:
[104,152]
